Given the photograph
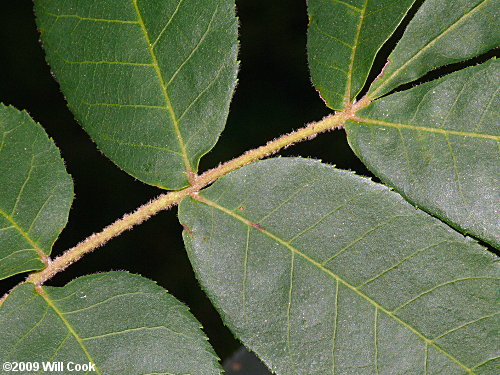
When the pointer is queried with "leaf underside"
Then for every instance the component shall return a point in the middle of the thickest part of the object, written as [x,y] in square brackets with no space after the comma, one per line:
[122,323]
[35,193]
[149,80]
[343,39]
[437,144]
[320,271]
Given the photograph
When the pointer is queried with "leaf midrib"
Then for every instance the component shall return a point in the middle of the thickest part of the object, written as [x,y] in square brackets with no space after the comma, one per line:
[428,341]
[347,99]
[373,95]
[25,235]
[60,314]
[361,120]
[170,109]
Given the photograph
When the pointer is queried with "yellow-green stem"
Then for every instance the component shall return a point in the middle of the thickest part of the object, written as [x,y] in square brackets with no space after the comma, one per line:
[168,200]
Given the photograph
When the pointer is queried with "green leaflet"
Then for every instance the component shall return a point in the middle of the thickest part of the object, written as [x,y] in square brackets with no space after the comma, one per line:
[321,271]
[437,144]
[35,193]
[343,39]
[149,80]
[442,32]
[122,323]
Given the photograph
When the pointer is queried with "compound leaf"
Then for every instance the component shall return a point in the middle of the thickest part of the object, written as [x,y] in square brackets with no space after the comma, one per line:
[35,193]
[343,39]
[149,80]
[442,32]
[437,144]
[118,322]
[320,271]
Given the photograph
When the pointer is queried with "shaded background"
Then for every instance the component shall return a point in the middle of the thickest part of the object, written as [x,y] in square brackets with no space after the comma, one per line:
[274,96]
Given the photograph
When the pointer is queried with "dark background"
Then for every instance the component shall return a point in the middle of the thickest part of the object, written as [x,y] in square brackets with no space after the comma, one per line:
[274,96]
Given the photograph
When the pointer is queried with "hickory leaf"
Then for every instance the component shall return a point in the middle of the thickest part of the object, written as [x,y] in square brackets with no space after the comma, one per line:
[437,144]
[320,271]
[315,269]
[121,323]
[35,193]
[343,39]
[442,32]
[149,80]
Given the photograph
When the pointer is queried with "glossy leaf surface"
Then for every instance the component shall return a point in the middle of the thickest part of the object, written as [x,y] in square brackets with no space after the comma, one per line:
[343,39]
[149,80]
[122,323]
[320,271]
[437,144]
[442,32]
[35,193]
